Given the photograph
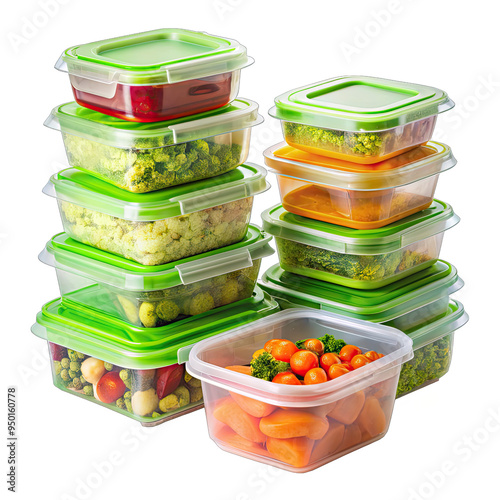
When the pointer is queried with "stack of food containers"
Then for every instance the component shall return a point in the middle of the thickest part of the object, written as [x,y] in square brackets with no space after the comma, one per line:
[359,231]
[158,251]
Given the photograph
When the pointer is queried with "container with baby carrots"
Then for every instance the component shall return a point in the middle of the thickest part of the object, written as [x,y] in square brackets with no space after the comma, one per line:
[358,118]
[298,427]
[354,195]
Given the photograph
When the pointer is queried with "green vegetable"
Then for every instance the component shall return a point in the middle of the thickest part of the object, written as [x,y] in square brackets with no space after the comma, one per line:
[158,242]
[128,395]
[153,165]
[155,414]
[429,363]
[75,366]
[120,402]
[75,356]
[108,366]
[179,398]
[88,390]
[266,367]
[65,363]
[65,375]
[356,267]
[57,367]
[126,376]
[330,343]
[357,143]
[77,383]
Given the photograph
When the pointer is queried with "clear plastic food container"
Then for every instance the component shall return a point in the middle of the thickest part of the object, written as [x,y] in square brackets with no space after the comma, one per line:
[298,427]
[134,371]
[358,196]
[156,75]
[406,304]
[432,349]
[142,157]
[162,226]
[358,118]
[153,296]
[359,258]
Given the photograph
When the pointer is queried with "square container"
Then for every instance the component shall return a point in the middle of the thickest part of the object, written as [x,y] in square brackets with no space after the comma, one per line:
[359,258]
[142,157]
[156,75]
[358,118]
[304,434]
[162,226]
[153,296]
[406,304]
[358,196]
[133,371]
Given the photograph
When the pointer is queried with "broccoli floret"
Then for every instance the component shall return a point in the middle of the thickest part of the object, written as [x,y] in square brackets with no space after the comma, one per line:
[120,402]
[75,366]
[126,376]
[167,310]
[128,395]
[72,374]
[266,367]
[77,383]
[65,363]
[201,303]
[108,366]
[155,414]
[65,375]
[88,390]
[57,367]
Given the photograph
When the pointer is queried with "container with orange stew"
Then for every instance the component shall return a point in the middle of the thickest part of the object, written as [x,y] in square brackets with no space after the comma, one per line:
[298,427]
[354,195]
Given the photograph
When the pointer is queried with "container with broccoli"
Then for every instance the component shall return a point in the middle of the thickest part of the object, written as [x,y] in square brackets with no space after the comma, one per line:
[142,157]
[359,119]
[369,258]
[154,296]
[162,226]
[131,370]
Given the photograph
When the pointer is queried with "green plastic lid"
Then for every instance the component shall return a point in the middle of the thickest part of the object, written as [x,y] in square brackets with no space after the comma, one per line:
[71,118]
[154,57]
[360,103]
[66,254]
[379,306]
[437,218]
[87,191]
[119,343]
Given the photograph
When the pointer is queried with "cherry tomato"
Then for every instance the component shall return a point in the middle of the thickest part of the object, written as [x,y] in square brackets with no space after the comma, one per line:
[257,353]
[315,376]
[110,387]
[283,350]
[303,361]
[372,355]
[329,359]
[336,371]
[359,360]
[348,366]
[286,378]
[315,346]
[268,346]
[348,352]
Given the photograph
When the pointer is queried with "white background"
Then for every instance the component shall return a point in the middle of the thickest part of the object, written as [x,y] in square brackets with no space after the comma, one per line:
[62,440]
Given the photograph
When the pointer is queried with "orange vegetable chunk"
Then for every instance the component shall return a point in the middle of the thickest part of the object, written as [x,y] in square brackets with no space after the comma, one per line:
[228,436]
[352,437]
[372,417]
[330,442]
[294,451]
[252,406]
[348,408]
[228,412]
[284,424]
[247,370]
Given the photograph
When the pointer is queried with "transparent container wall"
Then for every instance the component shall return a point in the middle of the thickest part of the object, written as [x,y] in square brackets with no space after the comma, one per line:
[429,364]
[298,438]
[159,307]
[359,147]
[149,165]
[149,396]
[153,103]
[158,242]
[358,271]
[356,209]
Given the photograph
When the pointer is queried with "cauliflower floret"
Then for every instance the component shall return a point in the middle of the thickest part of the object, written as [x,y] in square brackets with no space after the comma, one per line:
[167,310]
[201,303]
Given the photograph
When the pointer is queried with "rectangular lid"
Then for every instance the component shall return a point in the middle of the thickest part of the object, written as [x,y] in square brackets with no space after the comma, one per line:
[71,118]
[154,57]
[133,347]
[360,103]
[75,186]
[437,218]
[379,305]
[66,254]
[412,166]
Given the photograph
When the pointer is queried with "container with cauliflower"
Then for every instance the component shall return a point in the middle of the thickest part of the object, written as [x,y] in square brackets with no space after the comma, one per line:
[359,119]
[154,296]
[133,371]
[159,227]
[141,158]
[358,196]
[359,258]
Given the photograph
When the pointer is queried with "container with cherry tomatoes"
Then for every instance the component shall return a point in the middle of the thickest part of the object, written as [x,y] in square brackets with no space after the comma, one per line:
[273,394]
[135,371]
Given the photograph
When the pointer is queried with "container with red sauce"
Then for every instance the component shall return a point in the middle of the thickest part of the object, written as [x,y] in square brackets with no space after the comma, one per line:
[156,75]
